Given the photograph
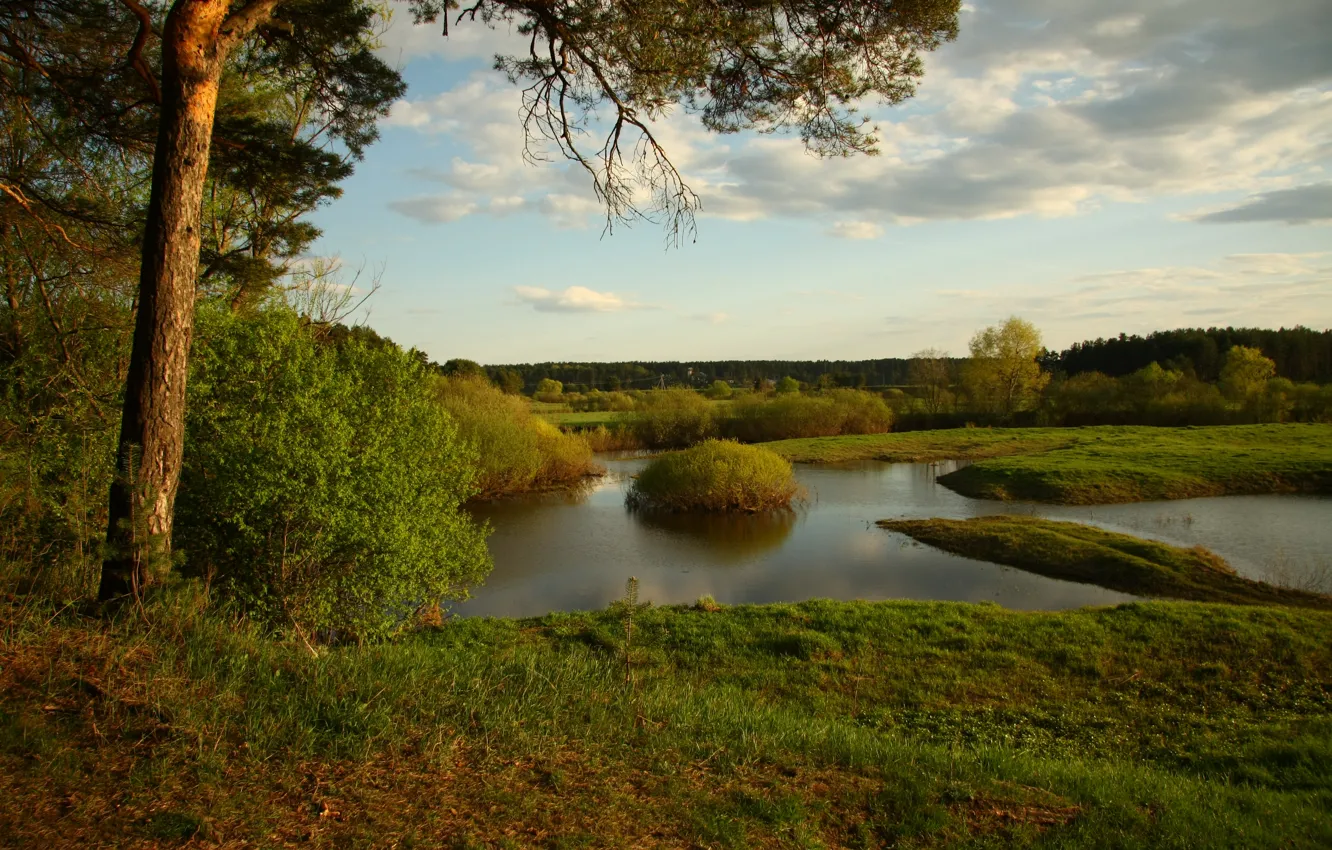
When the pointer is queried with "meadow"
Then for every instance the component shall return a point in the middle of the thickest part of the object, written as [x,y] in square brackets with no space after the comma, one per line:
[1104,464]
[820,724]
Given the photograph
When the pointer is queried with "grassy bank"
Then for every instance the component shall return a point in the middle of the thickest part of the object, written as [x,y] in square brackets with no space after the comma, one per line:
[814,725]
[1103,464]
[1076,552]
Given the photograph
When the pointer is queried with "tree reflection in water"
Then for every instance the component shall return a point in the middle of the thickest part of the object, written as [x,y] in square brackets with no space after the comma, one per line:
[727,537]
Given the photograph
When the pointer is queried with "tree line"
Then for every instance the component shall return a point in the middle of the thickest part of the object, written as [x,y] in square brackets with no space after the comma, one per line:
[646,374]
[1300,354]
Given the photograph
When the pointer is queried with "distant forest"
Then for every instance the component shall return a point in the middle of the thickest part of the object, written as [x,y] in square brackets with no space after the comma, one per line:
[1300,354]
[642,375]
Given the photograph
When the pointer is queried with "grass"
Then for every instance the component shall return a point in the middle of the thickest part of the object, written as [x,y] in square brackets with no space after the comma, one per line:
[815,725]
[1076,552]
[922,446]
[1103,464]
[716,475]
[588,419]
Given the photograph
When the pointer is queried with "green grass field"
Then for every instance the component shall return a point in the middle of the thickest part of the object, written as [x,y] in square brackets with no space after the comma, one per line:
[1103,464]
[814,725]
[1076,552]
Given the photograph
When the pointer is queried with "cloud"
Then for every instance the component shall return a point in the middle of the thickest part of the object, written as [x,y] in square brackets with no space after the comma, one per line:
[855,230]
[435,209]
[575,299]
[1301,205]
[1040,108]
[404,41]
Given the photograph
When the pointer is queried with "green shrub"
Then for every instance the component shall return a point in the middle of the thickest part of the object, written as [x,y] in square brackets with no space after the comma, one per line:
[322,485]
[716,475]
[549,390]
[756,419]
[673,418]
[516,451]
[60,383]
[718,390]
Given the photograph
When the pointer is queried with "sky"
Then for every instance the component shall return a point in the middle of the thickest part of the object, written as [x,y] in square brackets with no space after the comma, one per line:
[1093,166]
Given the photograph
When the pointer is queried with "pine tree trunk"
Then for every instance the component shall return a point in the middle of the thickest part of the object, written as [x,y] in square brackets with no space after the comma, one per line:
[152,426]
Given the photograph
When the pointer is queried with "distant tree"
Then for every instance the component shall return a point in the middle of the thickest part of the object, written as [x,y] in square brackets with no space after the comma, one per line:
[1003,375]
[788,385]
[460,367]
[932,374]
[549,389]
[1245,373]
[719,389]
[510,381]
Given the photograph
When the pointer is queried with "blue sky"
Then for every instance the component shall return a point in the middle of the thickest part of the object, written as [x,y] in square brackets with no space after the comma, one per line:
[1094,167]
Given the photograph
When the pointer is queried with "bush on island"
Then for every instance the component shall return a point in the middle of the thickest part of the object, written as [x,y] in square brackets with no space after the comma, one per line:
[716,475]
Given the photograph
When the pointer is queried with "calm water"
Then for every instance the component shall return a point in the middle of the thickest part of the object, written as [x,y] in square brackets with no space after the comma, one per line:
[573,551]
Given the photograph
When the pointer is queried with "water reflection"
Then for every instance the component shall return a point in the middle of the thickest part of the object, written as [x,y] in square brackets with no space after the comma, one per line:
[559,551]
[728,538]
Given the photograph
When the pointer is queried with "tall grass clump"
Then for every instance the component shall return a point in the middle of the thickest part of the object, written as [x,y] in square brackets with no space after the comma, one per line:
[716,475]
[756,419]
[516,451]
[668,419]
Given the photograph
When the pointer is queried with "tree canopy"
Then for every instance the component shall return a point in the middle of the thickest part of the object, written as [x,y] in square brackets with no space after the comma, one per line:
[1003,374]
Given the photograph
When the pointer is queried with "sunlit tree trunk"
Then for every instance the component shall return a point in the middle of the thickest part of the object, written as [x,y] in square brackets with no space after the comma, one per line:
[152,427]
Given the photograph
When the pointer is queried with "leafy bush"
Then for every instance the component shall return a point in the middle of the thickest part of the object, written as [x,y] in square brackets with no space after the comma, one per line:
[61,374]
[549,390]
[516,451]
[673,418]
[716,475]
[322,485]
[756,419]
[718,390]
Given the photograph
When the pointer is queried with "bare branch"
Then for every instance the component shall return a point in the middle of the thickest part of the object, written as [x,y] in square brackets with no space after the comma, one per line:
[135,59]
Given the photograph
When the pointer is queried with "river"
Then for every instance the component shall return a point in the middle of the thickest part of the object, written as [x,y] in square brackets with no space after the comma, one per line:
[574,550]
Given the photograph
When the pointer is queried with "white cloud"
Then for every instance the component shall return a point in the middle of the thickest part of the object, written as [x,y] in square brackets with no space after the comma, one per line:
[575,299]
[403,41]
[856,230]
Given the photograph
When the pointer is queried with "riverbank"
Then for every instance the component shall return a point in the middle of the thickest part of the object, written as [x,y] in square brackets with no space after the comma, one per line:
[1102,465]
[818,724]
[1075,552]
